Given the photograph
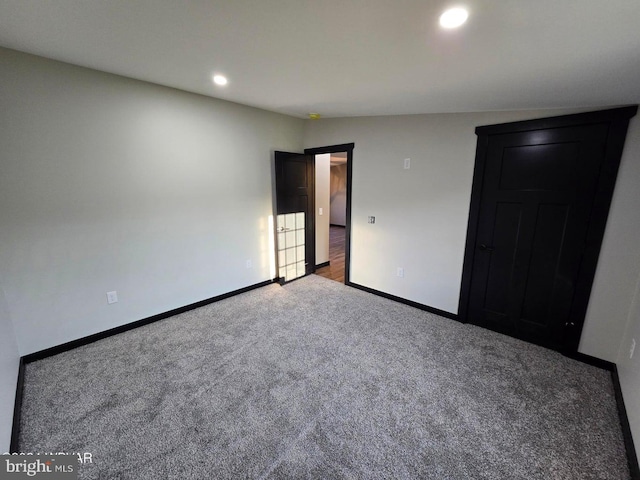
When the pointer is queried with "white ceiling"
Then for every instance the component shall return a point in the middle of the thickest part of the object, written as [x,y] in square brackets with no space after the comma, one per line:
[350,57]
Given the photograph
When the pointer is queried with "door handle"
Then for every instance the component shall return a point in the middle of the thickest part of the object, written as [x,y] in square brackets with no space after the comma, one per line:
[485,247]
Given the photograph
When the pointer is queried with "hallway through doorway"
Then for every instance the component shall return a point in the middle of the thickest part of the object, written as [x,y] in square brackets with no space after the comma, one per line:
[335,269]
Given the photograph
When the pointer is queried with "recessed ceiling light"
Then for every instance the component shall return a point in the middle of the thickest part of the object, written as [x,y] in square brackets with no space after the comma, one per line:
[453,18]
[220,80]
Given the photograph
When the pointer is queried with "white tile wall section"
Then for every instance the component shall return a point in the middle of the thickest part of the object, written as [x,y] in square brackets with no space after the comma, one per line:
[290,221]
[291,272]
[291,245]
[290,240]
[300,270]
[291,256]
[300,237]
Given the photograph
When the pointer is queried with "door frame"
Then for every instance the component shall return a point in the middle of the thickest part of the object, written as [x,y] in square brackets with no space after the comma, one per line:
[345,147]
[618,121]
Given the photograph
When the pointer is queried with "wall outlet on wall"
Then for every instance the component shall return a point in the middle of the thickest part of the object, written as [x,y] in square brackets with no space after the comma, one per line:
[112,297]
[320,211]
[407,163]
[371,219]
[249,264]
[633,347]
[400,272]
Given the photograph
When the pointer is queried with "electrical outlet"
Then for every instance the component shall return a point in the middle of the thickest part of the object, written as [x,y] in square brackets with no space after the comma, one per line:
[371,219]
[112,297]
[633,347]
[407,163]
[400,272]
[249,264]
[320,211]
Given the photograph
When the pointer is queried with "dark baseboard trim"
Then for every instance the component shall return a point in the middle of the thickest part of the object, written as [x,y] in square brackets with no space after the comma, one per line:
[334,225]
[322,265]
[420,306]
[588,359]
[32,357]
[17,409]
[632,457]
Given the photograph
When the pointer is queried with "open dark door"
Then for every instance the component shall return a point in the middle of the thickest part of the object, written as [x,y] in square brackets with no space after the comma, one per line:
[295,219]
[541,195]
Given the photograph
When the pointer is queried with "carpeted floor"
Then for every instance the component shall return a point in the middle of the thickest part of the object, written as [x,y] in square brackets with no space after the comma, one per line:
[318,380]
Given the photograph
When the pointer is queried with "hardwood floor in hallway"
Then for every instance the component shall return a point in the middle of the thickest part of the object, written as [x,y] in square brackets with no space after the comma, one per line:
[335,270]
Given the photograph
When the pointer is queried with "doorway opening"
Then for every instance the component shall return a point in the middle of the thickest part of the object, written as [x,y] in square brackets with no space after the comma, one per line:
[333,210]
[331,221]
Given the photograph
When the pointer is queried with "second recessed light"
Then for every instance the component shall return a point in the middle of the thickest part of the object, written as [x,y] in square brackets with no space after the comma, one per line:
[220,80]
[453,18]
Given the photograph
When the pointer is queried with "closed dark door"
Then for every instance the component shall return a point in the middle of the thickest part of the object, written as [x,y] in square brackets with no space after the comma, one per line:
[295,221]
[539,192]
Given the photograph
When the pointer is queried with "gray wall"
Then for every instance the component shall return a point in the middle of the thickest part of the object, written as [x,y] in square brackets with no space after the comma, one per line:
[9,361]
[114,184]
[339,194]
[619,262]
[629,368]
[618,278]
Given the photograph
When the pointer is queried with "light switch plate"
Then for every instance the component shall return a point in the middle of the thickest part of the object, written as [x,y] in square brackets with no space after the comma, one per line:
[112,297]
[407,163]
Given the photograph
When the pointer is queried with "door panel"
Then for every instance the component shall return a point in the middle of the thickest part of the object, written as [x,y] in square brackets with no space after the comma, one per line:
[539,167]
[499,256]
[537,195]
[539,204]
[295,232]
[547,245]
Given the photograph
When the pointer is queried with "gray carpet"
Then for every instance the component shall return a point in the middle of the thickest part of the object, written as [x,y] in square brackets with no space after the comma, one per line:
[319,380]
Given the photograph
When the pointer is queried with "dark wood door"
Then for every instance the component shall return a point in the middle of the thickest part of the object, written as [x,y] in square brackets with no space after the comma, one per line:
[295,193]
[538,220]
